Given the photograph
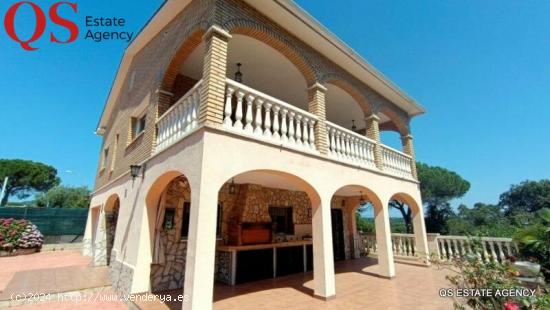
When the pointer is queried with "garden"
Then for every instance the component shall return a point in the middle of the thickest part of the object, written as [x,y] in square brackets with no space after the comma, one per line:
[19,237]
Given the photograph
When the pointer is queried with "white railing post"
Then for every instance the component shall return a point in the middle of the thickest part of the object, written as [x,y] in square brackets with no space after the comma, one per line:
[258,120]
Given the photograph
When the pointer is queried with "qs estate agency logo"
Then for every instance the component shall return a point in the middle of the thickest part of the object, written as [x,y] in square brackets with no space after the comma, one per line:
[40,23]
[63,15]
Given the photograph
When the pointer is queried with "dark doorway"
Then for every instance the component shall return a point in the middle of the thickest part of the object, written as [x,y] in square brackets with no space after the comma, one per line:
[338,234]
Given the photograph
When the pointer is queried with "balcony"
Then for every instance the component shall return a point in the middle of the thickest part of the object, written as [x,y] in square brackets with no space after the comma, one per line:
[259,116]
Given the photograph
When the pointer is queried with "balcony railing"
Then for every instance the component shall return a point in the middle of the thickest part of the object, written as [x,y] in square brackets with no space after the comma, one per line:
[348,146]
[396,162]
[251,113]
[178,121]
[444,247]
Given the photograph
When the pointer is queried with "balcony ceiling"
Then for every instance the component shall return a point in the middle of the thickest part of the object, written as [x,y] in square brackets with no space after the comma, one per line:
[268,71]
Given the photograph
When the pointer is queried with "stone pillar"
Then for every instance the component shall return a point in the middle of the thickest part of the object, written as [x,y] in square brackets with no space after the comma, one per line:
[421,242]
[383,241]
[201,247]
[316,99]
[323,257]
[407,142]
[214,74]
[373,133]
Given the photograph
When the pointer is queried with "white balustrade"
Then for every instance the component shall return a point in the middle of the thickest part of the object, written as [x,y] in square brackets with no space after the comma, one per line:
[253,113]
[179,120]
[395,162]
[348,146]
[448,247]
[488,249]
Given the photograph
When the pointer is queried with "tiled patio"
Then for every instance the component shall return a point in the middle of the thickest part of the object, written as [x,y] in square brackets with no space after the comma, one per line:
[357,287]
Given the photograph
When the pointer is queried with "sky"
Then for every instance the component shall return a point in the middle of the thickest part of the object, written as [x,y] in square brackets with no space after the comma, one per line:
[480,68]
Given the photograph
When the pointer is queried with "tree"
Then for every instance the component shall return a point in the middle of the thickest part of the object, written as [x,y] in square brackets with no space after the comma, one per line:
[438,186]
[65,197]
[405,213]
[528,196]
[26,177]
[481,220]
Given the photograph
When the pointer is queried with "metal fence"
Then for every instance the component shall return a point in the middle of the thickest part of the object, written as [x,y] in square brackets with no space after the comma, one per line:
[50,221]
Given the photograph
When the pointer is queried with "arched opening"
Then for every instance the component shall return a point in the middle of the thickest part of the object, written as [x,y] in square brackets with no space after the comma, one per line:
[392,128]
[343,109]
[184,70]
[266,70]
[411,243]
[168,207]
[367,226]
[266,226]
[111,210]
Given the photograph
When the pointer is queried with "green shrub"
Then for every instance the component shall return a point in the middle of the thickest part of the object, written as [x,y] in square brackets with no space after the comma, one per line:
[19,234]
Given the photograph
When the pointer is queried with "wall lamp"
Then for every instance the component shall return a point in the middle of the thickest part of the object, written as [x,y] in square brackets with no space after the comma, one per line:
[135,171]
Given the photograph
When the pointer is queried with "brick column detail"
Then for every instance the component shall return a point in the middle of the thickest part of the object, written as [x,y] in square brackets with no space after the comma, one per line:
[164,99]
[373,132]
[213,75]
[316,106]
[408,148]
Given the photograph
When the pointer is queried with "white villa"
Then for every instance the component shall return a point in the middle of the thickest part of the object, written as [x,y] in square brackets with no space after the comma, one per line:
[239,139]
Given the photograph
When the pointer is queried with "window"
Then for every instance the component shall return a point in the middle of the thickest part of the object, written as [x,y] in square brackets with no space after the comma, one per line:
[138,125]
[114,153]
[104,158]
[185,220]
[132,80]
[281,218]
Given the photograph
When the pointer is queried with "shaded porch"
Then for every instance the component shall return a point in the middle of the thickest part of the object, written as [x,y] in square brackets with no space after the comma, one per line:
[357,287]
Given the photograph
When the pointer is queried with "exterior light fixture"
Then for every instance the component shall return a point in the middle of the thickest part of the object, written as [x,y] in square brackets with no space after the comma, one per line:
[362,200]
[238,74]
[353,127]
[134,171]
[232,189]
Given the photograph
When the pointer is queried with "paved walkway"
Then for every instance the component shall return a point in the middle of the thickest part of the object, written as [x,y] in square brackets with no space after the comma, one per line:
[43,275]
[357,286]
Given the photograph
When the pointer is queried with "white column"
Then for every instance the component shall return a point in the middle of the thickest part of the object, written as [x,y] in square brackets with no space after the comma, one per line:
[291,136]
[195,99]
[201,247]
[383,241]
[87,239]
[299,129]
[100,241]
[323,257]
[420,239]
[239,111]
[267,120]
[276,110]
[258,120]
[311,125]
[248,114]
[228,107]
[284,137]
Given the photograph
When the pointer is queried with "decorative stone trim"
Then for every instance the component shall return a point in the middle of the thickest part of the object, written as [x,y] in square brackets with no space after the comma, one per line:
[121,275]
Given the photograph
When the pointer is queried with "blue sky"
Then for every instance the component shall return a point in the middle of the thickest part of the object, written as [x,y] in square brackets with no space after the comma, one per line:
[480,68]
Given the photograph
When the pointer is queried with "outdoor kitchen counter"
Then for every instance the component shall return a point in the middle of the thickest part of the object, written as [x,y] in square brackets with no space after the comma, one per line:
[230,248]
[244,263]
